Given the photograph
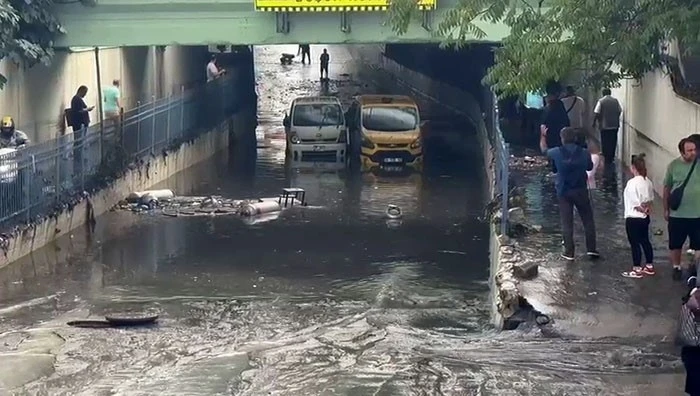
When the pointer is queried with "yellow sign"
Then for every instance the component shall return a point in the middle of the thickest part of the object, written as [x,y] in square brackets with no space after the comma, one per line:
[332,5]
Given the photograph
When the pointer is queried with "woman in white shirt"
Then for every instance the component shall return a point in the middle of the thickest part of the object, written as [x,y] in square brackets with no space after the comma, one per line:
[638,196]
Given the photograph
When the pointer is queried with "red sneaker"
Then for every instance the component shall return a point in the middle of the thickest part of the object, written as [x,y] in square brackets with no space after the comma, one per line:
[648,270]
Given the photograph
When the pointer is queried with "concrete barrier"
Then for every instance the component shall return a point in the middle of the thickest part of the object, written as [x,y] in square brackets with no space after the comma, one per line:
[505,295]
[145,174]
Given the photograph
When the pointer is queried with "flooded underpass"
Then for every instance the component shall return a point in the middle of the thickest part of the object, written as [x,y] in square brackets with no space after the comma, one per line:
[329,299]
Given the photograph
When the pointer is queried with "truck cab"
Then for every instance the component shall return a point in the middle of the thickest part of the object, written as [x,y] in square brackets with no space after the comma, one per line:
[315,129]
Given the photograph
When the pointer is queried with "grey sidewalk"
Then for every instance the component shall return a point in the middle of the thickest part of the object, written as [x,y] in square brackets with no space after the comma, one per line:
[590,299]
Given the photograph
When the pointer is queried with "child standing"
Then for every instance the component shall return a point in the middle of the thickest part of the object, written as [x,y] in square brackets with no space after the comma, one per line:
[638,196]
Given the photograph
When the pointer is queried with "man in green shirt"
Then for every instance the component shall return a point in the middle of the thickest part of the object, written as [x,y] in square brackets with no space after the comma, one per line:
[683,223]
[111,102]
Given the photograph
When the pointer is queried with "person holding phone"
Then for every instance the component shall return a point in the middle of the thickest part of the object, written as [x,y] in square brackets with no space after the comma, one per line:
[79,121]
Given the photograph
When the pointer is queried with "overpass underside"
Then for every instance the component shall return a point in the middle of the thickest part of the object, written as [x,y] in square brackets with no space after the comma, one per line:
[238,22]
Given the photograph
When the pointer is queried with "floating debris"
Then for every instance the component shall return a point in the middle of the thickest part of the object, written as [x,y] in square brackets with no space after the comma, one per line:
[165,202]
[528,162]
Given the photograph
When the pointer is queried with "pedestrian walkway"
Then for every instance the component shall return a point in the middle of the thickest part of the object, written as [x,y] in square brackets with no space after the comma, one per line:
[590,298]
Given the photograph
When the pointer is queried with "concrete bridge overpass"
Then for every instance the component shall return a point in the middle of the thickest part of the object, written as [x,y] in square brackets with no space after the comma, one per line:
[246,22]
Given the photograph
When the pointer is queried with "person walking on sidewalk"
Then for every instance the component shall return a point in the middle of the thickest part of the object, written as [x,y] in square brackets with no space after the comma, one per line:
[575,107]
[682,204]
[638,197]
[571,162]
[607,118]
[305,51]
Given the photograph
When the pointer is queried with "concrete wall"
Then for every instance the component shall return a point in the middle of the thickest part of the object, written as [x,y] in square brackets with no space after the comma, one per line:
[36,97]
[655,118]
[142,177]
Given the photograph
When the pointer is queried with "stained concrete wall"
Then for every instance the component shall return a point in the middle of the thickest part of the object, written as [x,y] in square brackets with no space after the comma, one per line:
[655,118]
[36,97]
[154,171]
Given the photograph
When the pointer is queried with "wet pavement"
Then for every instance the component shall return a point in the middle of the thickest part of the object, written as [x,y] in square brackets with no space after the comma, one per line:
[332,299]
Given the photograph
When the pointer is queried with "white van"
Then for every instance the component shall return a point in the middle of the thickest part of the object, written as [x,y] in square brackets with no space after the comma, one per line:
[315,129]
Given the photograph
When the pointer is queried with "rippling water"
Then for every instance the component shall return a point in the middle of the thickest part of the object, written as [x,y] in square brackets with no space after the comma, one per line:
[327,300]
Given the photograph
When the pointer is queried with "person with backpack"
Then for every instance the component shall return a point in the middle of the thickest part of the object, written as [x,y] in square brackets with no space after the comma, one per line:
[571,162]
[575,107]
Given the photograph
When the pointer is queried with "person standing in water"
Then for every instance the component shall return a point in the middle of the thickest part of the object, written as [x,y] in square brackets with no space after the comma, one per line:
[325,59]
[305,51]
[638,197]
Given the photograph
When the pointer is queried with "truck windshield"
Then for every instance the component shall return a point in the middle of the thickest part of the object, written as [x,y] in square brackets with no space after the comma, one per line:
[309,115]
[389,119]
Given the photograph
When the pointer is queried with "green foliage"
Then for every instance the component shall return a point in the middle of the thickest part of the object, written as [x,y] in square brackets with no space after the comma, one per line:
[593,43]
[27,32]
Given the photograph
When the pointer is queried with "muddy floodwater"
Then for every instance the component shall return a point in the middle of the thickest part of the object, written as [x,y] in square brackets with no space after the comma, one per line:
[329,299]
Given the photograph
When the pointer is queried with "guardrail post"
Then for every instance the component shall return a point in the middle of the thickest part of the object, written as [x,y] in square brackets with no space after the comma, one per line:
[83,135]
[138,128]
[182,110]
[167,125]
[153,124]
[57,157]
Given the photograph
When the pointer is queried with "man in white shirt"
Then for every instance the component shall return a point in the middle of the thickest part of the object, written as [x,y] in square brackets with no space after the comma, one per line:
[607,118]
[213,71]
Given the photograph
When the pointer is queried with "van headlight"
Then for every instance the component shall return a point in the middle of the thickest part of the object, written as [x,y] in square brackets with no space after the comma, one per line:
[294,139]
[416,144]
[366,143]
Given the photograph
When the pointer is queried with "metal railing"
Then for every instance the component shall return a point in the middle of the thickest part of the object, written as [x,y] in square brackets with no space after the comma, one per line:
[501,152]
[44,178]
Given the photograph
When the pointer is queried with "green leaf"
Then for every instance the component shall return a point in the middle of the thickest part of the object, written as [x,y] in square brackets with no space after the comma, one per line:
[594,43]
[28,30]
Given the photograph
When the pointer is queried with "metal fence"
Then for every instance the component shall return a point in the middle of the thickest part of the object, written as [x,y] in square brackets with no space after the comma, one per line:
[501,151]
[45,177]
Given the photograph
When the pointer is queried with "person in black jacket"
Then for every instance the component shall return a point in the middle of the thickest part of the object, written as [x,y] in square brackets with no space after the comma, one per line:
[554,119]
[80,120]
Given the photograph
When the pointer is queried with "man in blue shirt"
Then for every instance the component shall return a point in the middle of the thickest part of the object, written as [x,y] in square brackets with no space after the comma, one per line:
[571,162]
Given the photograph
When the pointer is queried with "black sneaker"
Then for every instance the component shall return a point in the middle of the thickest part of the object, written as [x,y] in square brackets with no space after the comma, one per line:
[677,273]
[593,255]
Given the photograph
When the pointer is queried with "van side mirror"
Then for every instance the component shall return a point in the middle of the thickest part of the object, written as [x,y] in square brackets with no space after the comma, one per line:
[286,121]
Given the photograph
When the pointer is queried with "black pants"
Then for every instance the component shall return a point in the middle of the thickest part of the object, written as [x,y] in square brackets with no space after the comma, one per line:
[638,236]
[531,121]
[324,68]
[79,132]
[608,142]
[691,361]
[579,199]
[304,55]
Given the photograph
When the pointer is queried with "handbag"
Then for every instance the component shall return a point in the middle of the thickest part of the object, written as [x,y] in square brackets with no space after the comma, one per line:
[676,196]
[688,328]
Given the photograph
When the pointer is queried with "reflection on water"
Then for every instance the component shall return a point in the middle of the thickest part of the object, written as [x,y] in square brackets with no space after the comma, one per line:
[329,299]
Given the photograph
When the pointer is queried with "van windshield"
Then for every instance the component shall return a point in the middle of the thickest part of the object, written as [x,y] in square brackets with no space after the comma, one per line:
[309,115]
[389,119]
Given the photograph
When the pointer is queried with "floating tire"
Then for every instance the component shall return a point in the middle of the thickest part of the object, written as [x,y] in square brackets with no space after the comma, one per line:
[393,212]
[542,319]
